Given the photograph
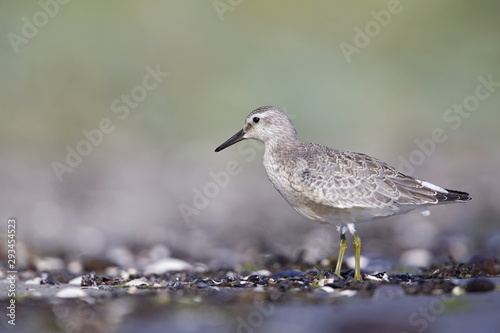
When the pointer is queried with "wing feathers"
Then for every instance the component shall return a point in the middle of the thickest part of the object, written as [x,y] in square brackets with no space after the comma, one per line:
[344,179]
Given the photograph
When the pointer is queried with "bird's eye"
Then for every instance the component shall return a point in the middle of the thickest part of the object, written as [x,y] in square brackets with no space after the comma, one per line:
[256,119]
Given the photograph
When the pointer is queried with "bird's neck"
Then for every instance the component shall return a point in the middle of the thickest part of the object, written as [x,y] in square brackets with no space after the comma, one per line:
[280,143]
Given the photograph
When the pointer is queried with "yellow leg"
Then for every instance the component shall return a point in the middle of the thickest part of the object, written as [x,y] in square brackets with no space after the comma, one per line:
[356,244]
[342,247]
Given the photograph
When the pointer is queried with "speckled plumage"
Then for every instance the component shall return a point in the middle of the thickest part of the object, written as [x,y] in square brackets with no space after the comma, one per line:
[334,186]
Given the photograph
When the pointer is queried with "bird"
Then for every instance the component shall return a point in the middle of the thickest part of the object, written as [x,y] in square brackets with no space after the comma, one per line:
[333,186]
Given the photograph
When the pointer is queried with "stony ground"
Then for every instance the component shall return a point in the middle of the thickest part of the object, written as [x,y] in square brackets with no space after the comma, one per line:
[174,296]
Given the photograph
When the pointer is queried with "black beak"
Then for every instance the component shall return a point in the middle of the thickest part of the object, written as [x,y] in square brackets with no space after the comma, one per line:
[231,141]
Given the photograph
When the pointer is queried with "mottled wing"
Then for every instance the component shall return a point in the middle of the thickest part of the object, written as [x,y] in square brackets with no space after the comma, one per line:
[342,179]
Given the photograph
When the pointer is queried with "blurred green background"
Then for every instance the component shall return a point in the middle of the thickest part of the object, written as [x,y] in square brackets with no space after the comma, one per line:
[66,67]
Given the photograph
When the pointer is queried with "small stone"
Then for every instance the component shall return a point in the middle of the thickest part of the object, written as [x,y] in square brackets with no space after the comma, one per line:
[200,268]
[48,264]
[363,261]
[23,275]
[330,275]
[416,258]
[487,264]
[165,265]
[378,277]
[311,275]
[76,281]
[202,285]
[479,285]
[230,275]
[48,282]
[112,271]
[323,282]
[254,278]
[131,273]
[71,292]
[159,251]
[327,289]
[336,284]
[122,256]
[137,283]
[35,280]
[91,280]
[325,262]
[286,274]
[97,264]
[75,267]
[263,272]
[458,291]
[58,276]
[348,293]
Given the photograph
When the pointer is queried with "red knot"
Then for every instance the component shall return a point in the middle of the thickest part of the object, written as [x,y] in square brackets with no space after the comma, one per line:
[332,186]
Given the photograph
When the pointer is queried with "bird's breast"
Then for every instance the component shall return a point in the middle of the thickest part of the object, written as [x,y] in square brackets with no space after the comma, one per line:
[279,176]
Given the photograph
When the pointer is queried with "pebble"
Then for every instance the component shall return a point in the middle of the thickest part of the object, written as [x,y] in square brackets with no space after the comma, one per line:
[327,289]
[137,283]
[331,275]
[325,262]
[76,281]
[58,276]
[458,291]
[71,292]
[416,258]
[263,272]
[487,264]
[348,293]
[158,252]
[121,256]
[200,268]
[378,277]
[165,265]
[331,280]
[286,274]
[363,261]
[75,267]
[310,275]
[129,274]
[479,285]
[254,278]
[337,284]
[156,285]
[48,282]
[47,264]
[323,282]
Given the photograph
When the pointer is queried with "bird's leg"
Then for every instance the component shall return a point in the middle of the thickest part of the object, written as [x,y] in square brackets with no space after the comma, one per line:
[356,244]
[342,247]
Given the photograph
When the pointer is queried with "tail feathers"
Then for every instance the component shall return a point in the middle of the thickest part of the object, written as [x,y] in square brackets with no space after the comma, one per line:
[446,196]
[452,196]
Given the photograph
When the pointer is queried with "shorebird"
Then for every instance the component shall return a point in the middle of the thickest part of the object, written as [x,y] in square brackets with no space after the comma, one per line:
[332,186]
